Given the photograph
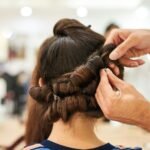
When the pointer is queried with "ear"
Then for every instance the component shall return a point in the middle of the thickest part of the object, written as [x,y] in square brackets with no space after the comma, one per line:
[41,82]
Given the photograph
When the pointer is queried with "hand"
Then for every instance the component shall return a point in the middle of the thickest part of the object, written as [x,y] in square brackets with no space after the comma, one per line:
[130,43]
[114,68]
[125,105]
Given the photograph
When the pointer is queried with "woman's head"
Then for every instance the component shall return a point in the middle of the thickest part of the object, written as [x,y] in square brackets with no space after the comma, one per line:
[68,64]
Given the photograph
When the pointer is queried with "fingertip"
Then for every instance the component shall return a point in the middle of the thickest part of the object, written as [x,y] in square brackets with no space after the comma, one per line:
[108,41]
[117,71]
[112,65]
[103,76]
[141,62]
[108,70]
[109,73]
[102,72]
[134,64]
[114,55]
[137,63]
[113,79]
[114,68]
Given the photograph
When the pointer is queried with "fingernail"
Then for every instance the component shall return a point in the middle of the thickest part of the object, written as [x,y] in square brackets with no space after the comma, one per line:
[103,71]
[114,55]
[111,65]
[141,62]
[107,70]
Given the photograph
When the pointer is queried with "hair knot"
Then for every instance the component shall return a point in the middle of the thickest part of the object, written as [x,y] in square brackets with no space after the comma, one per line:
[41,94]
[61,27]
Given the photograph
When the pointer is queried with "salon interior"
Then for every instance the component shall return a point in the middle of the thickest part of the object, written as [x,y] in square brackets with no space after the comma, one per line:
[25,24]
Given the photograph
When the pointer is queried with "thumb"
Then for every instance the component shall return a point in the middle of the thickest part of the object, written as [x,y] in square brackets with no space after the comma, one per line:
[114,80]
[122,48]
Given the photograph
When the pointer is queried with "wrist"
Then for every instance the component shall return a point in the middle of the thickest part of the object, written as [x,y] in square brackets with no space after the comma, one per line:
[143,119]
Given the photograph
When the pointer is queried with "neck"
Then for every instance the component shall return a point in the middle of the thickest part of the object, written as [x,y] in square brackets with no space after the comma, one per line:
[77,133]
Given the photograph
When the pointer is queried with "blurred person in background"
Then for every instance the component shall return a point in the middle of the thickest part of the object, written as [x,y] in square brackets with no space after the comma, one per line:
[20,93]
[9,96]
[109,28]
[63,109]
[16,91]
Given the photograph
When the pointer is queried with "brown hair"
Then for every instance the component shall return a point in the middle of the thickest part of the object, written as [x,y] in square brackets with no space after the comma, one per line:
[69,63]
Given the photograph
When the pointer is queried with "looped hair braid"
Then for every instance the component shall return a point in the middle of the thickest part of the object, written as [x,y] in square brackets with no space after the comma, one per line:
[74,91]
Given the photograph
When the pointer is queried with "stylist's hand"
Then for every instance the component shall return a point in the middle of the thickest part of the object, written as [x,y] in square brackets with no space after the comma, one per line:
[129,106]
[130,43]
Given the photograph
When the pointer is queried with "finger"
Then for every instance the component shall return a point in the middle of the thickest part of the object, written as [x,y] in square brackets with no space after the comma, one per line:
[122,48]
[127,62]
[104,85]
[114,80]
[136,53]
[113,37]
[114,68]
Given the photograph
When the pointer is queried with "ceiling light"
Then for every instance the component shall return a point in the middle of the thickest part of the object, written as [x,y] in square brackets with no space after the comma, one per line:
[82,12]
[26,11]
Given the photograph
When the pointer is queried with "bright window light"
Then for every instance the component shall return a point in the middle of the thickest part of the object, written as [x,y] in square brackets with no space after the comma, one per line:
[26,11]
[7,34]
[142,12]
[105,4]
[148,56]
[82,12]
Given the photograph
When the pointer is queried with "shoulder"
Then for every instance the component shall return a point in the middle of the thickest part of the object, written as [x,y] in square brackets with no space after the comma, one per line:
[36,147]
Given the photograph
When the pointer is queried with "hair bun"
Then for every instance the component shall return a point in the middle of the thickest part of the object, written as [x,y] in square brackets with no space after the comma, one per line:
[62,26]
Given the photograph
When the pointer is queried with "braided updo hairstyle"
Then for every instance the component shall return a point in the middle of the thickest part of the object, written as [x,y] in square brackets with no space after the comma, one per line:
[68,63]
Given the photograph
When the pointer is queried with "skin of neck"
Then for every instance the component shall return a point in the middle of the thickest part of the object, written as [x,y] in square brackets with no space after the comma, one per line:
[77,133]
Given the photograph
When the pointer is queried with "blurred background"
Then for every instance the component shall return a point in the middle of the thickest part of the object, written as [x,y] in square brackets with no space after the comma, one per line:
[24,24]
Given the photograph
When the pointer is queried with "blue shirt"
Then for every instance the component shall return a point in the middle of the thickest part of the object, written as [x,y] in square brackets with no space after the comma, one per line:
[49,145]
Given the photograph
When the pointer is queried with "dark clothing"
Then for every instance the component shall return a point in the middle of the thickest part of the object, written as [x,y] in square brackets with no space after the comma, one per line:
[49,145]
